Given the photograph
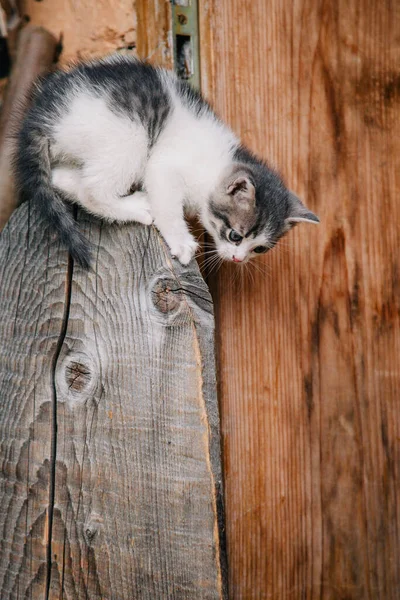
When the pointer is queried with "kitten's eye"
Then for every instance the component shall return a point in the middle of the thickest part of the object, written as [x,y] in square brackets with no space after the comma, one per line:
[234,236]
[260,249]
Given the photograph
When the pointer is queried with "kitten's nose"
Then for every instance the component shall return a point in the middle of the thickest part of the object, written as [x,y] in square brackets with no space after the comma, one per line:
[236,259]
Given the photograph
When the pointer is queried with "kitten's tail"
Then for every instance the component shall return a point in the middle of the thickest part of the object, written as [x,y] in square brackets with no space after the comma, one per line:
[33,176]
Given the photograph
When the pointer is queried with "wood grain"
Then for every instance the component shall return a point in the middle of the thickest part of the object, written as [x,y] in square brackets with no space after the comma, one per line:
[32,297]
[309,350]
[110,485]
[154,32]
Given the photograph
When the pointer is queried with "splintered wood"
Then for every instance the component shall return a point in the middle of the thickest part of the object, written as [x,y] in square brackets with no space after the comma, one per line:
[111,483]
[309,345]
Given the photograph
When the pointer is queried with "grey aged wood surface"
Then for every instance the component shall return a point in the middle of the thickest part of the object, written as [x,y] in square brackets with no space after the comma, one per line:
[110,472]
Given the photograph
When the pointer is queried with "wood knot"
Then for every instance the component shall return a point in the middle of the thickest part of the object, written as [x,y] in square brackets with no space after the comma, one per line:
[78,376]
[166,295]
[173,300]
[92,528]
[90,533]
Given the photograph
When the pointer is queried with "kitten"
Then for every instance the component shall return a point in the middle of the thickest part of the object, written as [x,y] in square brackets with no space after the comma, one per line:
[131,142]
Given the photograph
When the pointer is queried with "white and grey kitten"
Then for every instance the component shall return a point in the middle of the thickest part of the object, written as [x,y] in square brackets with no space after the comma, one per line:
[131,142]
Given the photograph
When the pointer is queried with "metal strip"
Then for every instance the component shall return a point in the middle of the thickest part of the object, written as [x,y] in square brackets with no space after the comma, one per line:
[185,33]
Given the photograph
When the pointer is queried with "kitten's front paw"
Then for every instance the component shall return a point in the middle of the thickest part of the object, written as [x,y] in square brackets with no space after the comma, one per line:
[144,216]
[184,251]
[137,208]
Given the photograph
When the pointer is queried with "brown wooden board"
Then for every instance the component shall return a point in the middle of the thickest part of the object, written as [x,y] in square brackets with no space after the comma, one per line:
[154,32]
[309,347]
[110,482]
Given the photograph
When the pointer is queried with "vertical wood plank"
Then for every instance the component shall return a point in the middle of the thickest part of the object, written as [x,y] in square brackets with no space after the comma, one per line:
[309,350]
[154,31]
[32,295]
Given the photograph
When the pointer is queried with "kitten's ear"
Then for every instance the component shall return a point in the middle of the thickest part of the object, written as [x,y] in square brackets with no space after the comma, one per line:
[242,189]
[298,213]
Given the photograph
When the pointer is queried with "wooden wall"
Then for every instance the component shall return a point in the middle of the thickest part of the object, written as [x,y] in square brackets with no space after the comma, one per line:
[309,351]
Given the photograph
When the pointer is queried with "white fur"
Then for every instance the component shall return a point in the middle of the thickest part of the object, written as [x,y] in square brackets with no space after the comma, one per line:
[172,182]
[111,152]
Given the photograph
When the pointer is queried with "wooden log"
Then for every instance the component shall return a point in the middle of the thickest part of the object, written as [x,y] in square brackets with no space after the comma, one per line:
[110,482]
[36,52]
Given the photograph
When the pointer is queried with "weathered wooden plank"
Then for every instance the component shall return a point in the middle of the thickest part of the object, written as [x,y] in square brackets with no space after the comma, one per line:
[309,350]
[134,507]
[32,295]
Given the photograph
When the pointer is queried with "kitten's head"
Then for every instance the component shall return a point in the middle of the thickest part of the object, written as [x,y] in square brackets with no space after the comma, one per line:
[250,210]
